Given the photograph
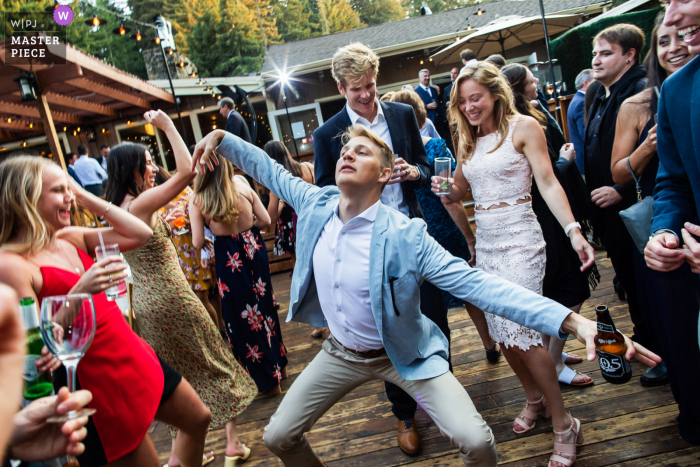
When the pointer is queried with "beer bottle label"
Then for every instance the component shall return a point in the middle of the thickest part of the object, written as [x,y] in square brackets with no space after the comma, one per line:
[611,365]
[31,372]
[605,327]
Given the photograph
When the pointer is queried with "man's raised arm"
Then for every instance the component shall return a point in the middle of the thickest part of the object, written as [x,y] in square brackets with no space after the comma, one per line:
[253,161]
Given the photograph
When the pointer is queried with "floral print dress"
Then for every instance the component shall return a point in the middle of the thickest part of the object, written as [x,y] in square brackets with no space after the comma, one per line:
[252,324]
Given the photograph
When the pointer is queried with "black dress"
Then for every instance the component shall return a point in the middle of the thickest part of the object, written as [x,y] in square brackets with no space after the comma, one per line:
[564,282]
[252,324]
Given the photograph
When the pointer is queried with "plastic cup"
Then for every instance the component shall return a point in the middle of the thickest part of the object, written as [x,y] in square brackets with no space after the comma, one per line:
[443,169]
[119,289]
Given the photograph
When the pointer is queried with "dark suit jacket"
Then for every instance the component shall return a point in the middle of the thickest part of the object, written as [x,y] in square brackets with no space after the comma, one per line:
[405,137]
[237,126]
[427,99]
[577,126]
[446,95]
[677,192]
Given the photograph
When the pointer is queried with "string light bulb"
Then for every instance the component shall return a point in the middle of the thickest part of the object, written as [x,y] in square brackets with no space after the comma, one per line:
[121,30]
[157,40]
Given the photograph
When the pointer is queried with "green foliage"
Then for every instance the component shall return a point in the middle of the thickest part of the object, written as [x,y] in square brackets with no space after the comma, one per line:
[238,49]
[574,48]
[13,6]
[296,19]
[120,51]
[339,16]
[373,12]
[412,7]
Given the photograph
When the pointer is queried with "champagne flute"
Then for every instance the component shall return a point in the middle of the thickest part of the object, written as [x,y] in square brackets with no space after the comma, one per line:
[68,326]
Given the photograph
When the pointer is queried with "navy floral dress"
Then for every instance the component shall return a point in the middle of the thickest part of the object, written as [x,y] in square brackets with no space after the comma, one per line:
[252,324]
[440,225]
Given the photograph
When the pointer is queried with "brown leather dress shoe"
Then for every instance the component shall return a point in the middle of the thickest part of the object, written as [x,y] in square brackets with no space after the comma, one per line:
[410,441]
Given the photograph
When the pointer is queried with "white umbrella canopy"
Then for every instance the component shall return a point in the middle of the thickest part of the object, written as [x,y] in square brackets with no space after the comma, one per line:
[504,33]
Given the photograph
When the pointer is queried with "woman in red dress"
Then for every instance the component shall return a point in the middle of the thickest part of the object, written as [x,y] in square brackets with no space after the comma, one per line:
[41,255]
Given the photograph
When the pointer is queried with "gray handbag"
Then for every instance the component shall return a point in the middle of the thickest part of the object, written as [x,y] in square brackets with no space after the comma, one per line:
[637,218]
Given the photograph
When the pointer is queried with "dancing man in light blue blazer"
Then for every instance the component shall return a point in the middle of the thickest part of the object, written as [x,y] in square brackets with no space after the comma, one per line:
[358,271]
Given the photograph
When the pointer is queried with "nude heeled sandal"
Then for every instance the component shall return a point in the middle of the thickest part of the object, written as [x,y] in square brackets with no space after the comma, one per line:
[567,448]
[544,412]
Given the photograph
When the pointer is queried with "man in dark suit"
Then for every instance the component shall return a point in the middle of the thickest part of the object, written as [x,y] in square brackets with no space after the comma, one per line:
[454,73]
[676,205]
[429,96]
[396,124]
[574,116]
[234,121]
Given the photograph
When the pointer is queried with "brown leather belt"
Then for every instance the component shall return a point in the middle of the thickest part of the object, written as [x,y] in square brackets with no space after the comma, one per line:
[374,353]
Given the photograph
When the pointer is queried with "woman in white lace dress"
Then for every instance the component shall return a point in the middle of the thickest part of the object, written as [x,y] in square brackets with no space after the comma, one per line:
[499,152]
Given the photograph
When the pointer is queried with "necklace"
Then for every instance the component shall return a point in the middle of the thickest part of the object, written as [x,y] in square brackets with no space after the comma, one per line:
[65,255]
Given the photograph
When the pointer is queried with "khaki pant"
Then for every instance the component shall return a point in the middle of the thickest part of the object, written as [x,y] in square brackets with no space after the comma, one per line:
[334,372]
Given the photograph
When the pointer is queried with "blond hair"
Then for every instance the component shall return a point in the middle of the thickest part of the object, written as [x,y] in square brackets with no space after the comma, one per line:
[489,76]
[20,189]
[216,195]
[386,157]
[411,97]
[351,62]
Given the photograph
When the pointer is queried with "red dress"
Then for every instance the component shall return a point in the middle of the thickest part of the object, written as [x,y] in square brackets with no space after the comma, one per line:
[120,370]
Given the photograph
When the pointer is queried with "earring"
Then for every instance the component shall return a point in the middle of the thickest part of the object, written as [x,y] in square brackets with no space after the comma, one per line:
[628,61]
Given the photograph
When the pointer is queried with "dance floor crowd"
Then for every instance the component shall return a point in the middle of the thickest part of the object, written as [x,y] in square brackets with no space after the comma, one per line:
[382,247]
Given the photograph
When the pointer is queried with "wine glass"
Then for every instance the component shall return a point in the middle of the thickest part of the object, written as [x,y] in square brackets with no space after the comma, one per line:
[68,326]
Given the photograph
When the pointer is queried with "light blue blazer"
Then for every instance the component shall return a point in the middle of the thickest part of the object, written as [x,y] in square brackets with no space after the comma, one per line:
[403,250]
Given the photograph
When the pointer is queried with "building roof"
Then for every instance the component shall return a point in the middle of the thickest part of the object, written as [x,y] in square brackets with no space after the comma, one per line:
[410,34]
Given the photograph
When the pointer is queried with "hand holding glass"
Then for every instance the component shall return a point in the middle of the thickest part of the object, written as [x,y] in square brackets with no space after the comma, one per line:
[68,326]
[180,222]
[443,170]
[118,289]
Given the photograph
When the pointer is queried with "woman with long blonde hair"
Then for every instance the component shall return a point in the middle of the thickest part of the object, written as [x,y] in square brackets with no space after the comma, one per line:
[234,214]
[42,255]
[499,151]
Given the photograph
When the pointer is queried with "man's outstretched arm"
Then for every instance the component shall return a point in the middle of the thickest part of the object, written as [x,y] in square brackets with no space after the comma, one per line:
[253,161]
[504,298]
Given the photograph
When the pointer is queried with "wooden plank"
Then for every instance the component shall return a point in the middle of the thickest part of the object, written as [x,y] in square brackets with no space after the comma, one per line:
[79,104]
[33,112]
[18,125]
[57,74]
[50,130]
[107,91]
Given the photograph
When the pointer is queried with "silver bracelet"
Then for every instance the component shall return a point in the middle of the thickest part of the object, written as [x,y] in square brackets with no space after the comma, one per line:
[571,227]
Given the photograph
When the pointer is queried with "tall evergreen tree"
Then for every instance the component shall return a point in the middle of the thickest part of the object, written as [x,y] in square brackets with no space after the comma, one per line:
[296,20]
[340,16]
[373,12]
[14,6]
[412,7]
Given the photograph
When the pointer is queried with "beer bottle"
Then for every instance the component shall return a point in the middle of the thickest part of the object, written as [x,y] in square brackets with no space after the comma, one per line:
[610,347]
[36,384]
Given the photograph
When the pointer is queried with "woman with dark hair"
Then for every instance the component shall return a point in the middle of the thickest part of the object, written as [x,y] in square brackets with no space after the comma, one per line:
[234,214]
[661,294]
[564,282]
[42,255]
[172,319]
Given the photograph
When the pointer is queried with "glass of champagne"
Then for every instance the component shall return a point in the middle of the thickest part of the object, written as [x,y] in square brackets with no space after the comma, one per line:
[68,326]
[117,290]
[443,169]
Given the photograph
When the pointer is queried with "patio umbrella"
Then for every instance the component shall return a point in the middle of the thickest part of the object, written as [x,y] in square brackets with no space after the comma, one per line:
[504,33]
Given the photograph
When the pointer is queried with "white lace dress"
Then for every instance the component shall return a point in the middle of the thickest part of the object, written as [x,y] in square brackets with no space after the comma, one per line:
[509,240]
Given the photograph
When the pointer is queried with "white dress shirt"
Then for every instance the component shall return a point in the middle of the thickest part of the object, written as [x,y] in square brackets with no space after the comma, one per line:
[89,171]
[392,195]
[429,130]
[341,271]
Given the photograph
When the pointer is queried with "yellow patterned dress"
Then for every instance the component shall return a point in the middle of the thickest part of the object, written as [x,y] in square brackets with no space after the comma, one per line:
[177,326]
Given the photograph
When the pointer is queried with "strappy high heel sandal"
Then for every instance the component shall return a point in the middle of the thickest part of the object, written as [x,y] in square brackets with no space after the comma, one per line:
[543,412]
[561,448]
[493,354]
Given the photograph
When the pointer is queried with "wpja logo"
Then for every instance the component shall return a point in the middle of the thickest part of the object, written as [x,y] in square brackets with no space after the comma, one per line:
[37,37]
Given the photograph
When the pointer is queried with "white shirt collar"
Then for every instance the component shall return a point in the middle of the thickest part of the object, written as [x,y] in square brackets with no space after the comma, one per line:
[354,117]
[582,92]
[427,88]
[369,214]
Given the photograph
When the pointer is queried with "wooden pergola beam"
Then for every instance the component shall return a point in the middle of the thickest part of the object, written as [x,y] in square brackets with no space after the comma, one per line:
[85,106]
[32,112]
[57,74]
[112,93]
[50,130]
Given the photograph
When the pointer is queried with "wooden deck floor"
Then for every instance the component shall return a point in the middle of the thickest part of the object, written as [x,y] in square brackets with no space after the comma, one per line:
[625,425]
